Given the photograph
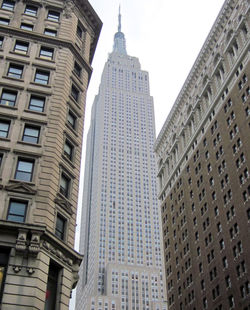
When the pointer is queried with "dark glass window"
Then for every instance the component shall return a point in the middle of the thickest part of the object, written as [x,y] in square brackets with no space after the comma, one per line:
[64,185]
[60,227]
[53,15]
[4,21]
[21,47]
[24,170]
[52,286]
[8,97]
[77,69]
[1,42]
[50,32]
[4,257]
[42,77]
[79,31]
[68,149]
[37,103]
[8,5]
[27,27]
[75,93]
[17,211]
[31,134]
[15,71]
[4,128]
[1,159]
[72,119]
[31,10]
[46,52]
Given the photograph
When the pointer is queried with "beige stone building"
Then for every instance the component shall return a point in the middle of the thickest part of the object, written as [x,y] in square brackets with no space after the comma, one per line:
[46,50]
[203,170]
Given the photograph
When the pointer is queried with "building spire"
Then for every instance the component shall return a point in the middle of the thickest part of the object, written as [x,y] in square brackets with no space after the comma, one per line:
[119,38]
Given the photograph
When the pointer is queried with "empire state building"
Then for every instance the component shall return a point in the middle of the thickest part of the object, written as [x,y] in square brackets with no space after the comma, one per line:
[120,228]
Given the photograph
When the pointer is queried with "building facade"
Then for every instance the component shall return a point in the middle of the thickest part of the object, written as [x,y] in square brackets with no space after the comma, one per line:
[120,235]
[203,171]
[46,48]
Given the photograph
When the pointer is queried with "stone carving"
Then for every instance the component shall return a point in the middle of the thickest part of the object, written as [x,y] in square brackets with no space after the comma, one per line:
[21,187]
[21,242]
[75,276]
[68,8]
[34,246]
[48,247]
[66,205]
[17,268]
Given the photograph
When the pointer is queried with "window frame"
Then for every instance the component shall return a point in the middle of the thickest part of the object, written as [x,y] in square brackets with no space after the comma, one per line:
[25,204]
[48,50]
[23,172]
[27,136]
[68,155]
[75,93]
[4,21]
[77,69]
[14,74]
[11,93]
[50,32]
[65,191]
[42,73]
[23,51]
[8,7]
[1,41]
[27,27]
[36,97]
[29,11]
[2,121]
[72,115]
[60,233]
[53,17]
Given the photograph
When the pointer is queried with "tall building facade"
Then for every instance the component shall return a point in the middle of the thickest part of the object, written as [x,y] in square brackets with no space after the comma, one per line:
[203,170]
[121,235]
[46,48]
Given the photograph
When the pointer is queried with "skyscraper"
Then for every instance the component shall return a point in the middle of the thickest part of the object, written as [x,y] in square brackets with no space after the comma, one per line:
[46,50]
[121,233]
[203,168]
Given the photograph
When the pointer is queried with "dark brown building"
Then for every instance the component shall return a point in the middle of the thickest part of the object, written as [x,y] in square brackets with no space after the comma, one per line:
[46,50]
[204,165]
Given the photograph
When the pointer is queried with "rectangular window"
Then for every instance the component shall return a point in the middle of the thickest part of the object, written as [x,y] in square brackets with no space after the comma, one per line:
[1,159]
[60,227]
[8,97]
[41,77]
[8,5]
[64,185]
[4,128]
[17,210]
[53,15]
[27,27]
[37,103]
[31,134]
[31,10]
[15,71]
[79,31]
[24,170]
[77,69]
[52,286]
[4,21]
[50,32]
[1,42]
[21,47]
[72,119]
[68,149]
[75,93]
[46,53]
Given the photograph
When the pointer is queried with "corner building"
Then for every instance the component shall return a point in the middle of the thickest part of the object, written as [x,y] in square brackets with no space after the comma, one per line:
[46,48]
[120,235]
[203,171]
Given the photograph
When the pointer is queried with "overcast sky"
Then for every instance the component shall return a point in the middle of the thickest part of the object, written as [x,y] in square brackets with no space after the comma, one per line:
[165,35]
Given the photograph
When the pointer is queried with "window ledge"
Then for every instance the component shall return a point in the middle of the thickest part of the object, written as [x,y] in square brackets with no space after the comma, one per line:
[12,78]
[21,181]
[20,54]
[28,143]
[35,112]
[42,85]
[68,161]
[45,59]
[8,107]
[4,139]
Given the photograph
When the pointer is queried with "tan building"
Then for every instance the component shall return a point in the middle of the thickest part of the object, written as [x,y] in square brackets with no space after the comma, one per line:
[46,48]
[203,170]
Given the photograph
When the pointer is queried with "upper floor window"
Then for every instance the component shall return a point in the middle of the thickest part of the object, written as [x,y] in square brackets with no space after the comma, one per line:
[79,31]
[4,128]
[50,32]
[68,149]
[37,103]
[77,69]
[8,97]
[72,119]
[31,10]
[64,185]
[46,53]
[21,47]
[41,77]
[1,42]
[24,169]
[31,134]
[4,21]
[27,27]
[60,227]
[75,93]
[53,15]
[17,210]
[8,5]
[15,71]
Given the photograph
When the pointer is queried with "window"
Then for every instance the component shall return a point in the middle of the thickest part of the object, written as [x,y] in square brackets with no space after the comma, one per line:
[27,27]
[37,103]
[15,71]
[1,159]
[50,32]
[31,10]
[53,15]
[8,98]
[64,185]
[71,119]
[42,77]
[24,170]
[8,5]
[60,227]
[4,21]
[77,69]
[17,210]
[1,42]
[68,149]
[4,257]
[21,47]
[46,53]
[4,128]
[31,134]
[79,31]
[75,93]
[52,286]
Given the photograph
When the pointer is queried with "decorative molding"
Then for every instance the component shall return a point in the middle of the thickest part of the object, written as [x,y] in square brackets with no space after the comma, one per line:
[65,204]
[21,187]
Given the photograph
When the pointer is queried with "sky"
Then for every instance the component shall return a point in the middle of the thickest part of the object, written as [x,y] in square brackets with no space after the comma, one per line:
[165,35]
